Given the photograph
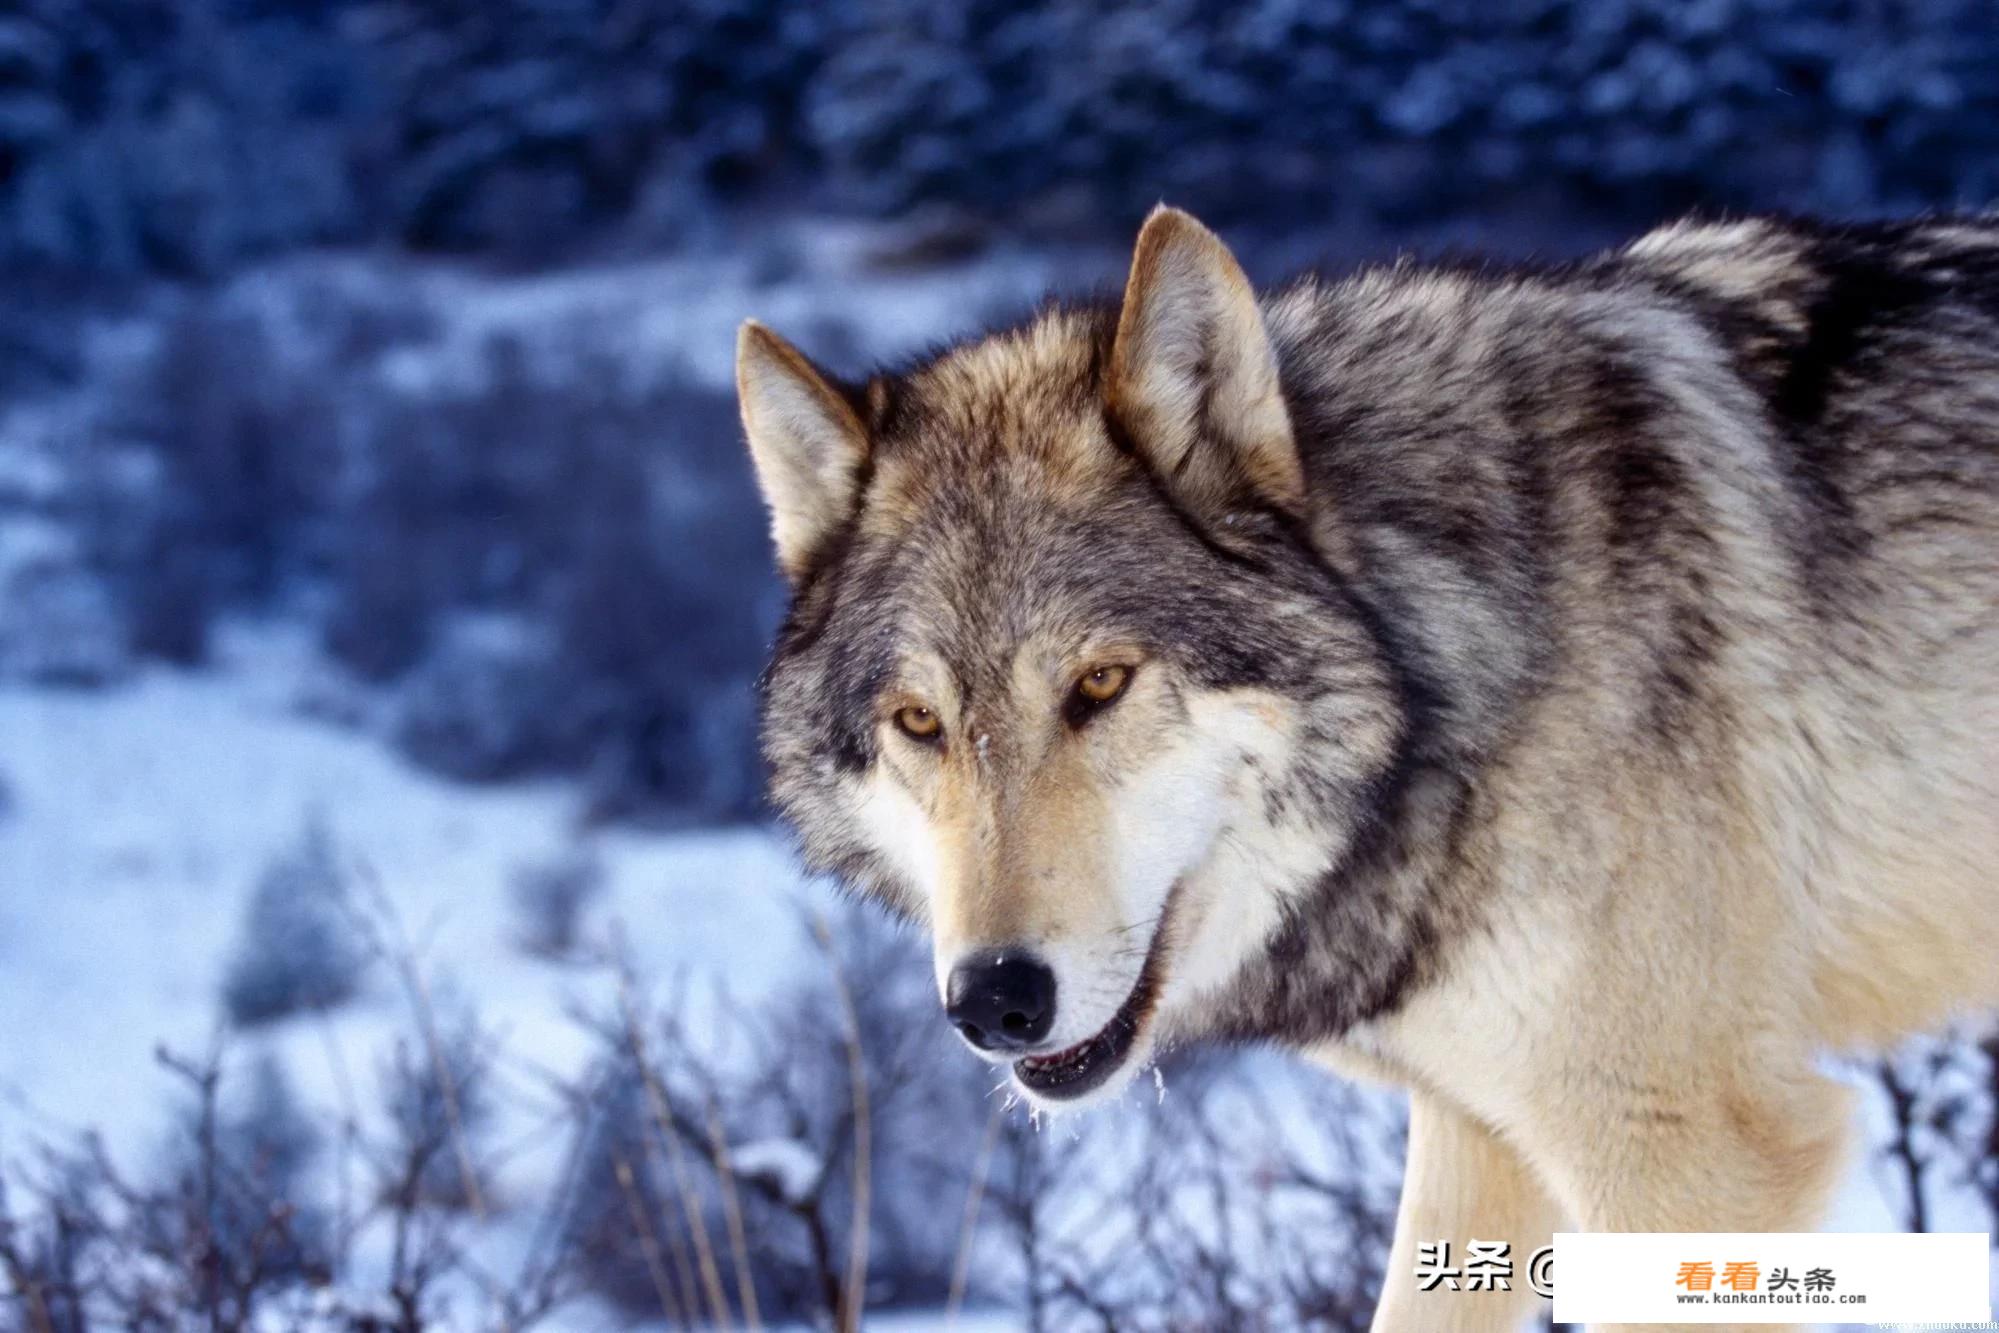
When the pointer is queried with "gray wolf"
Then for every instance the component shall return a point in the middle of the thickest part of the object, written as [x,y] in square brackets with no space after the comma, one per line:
[1571,693]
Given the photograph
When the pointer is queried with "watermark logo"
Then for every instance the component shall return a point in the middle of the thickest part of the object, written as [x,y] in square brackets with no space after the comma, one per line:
[1935,1280]
[1738,1275]
[1774,1278]
[1486,1265]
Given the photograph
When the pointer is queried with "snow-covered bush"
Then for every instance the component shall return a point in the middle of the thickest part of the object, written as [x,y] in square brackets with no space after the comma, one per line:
[663,603]
[226,1224]
[550,898]
[784,1106]
[178,137]
[1941,1095]
[58,623]
[300,947]
[239,1169]
[40,344]
[212,478]
[557,560]
[1226,1193]
[184,137]
[488,701]
[383,602]
[246,441]
[241,1224]
[144,540]
[439,1105]
[789,1171]
[708,1159]
[625,1209]
[568,560]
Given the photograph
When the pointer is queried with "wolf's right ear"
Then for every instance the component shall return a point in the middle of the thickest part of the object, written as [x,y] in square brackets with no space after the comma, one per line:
[806,441]
[1193,377]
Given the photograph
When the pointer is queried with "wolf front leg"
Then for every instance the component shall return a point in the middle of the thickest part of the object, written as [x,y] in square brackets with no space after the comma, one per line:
[1744,1143]
[1461,1184]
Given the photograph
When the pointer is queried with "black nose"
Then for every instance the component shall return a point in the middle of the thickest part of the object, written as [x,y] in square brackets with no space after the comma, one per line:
[1001,1001]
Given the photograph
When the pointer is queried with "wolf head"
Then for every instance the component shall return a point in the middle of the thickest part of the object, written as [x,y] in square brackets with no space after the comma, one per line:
[1064,677]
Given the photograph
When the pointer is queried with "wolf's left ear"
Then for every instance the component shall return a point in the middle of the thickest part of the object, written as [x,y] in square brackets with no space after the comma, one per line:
[1193,379]
[806,441]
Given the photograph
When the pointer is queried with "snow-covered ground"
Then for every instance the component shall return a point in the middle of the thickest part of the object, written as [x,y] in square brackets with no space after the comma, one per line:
[142,816]
[838,289]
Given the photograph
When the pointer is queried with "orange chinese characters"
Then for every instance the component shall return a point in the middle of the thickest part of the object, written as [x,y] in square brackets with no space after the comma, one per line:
[1696,1276]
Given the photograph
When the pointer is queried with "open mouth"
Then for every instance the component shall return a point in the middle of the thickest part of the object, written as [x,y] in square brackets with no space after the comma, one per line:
[1084,1067]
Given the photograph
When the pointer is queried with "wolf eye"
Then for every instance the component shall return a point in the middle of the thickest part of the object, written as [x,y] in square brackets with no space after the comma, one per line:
[919,723]
[1104,684]
[1095,690]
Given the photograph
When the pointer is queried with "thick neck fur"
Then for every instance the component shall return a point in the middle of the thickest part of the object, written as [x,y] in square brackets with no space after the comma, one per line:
[1598,494]
[1520,531]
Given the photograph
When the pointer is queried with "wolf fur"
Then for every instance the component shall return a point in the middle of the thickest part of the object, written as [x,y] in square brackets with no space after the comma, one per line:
[1571,693]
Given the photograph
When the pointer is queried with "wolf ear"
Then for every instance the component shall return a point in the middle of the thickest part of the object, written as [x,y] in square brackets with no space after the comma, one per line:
[1193,378]
[806,441]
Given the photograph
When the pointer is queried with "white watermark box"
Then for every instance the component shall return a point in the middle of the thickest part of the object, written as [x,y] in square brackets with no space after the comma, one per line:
[1773,1277]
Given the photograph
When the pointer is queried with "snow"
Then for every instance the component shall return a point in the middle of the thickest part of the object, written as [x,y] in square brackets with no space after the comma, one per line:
[27,475]
[790,1166]
[27,542]
[141,818]
[678,312]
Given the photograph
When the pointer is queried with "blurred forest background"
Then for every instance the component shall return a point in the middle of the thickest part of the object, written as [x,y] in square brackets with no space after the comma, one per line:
[382,589]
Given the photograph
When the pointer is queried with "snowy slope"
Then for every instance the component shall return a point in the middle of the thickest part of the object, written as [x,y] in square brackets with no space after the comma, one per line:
[142,816]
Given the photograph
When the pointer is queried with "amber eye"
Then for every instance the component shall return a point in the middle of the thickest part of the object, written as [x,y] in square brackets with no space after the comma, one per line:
[1104,684]
[919,723]
[1095,691]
